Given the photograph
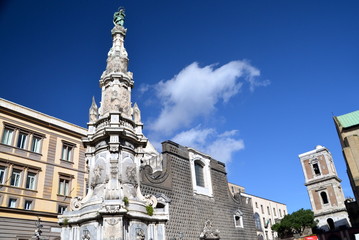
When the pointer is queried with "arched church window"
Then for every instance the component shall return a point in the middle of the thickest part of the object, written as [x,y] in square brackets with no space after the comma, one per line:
[201,173]
[198,168]
[324,197]
[257,221]
[238,219]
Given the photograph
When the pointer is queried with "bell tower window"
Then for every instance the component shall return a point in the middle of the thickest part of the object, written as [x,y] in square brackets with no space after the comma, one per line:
[316,169]
[324,197]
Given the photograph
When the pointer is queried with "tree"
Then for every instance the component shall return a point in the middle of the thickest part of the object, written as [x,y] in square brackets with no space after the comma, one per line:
[296,222]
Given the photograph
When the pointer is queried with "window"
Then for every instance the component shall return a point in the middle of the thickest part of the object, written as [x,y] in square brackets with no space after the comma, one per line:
[257,221]
[36,144]
[24,138]
[28,205]
[238,219]
[280,213]
[275,214]
[324,197]
[268,210]
[31,180]
[262,209]
[12,202]
[7,136]
[256,205]
[61,209]
[199,174]
[67,152]
[2,174]
[331,224]
[21,140]
[15,178]
[64,186]
[316,169]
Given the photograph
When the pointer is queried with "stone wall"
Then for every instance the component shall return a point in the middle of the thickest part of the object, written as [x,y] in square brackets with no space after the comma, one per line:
[189,211]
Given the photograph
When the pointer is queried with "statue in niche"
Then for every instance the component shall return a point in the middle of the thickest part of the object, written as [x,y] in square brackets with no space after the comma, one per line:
[131,175]
[115,101]
[106,105]
[99,173]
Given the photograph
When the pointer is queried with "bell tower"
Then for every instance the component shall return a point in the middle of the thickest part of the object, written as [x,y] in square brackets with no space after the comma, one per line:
[324,189]
[114,207]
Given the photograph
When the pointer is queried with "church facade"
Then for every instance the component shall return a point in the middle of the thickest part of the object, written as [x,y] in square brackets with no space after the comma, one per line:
[197,188]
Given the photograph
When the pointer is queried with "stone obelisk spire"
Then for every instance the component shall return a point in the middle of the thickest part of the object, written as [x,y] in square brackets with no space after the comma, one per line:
[115,147]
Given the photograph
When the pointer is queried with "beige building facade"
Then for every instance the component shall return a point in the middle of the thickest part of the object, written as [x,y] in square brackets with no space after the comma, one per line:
[266,212]
[347,126]
[42,166]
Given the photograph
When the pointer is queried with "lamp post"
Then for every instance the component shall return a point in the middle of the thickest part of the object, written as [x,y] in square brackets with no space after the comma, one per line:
[38,231]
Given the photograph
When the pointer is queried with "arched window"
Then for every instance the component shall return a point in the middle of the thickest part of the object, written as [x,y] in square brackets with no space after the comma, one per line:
[198,168]
[238,219]
[331,224]
[257,221]
[316,169]
[200,173]
[324,197]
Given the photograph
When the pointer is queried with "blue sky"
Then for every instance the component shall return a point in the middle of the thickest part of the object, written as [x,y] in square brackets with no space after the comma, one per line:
[254,83]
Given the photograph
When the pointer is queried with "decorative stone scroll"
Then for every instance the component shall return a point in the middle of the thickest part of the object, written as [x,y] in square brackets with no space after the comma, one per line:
[75,203]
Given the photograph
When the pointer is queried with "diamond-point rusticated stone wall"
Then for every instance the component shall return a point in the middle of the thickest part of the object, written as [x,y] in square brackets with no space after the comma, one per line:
[189,211]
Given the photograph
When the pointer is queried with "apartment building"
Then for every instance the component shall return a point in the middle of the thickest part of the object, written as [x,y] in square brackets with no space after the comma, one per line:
[266,212]
[42,166]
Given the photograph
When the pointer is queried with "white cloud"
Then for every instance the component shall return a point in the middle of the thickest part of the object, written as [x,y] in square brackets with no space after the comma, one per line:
[195,91]
[192,96]
[194,137]
[219,146]
[144,88]
[229,133]
[223,148]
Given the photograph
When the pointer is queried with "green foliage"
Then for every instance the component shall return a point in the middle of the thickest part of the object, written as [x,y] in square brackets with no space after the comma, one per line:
[149,210]
[125,201]
[295,223]
[65,222]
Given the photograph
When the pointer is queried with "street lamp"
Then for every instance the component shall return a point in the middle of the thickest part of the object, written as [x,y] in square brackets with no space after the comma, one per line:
[38,231]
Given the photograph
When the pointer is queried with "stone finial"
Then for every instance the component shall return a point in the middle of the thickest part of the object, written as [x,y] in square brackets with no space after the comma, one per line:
[93,113]
[136,114]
